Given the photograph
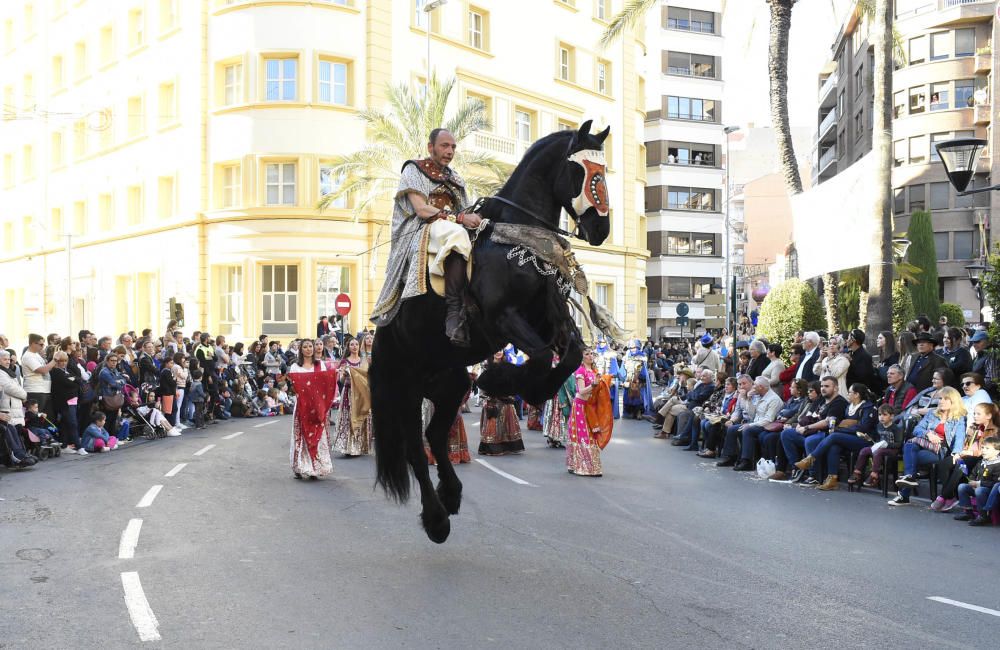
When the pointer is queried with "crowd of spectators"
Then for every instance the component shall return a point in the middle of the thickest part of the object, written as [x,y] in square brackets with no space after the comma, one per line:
[921,413]
[90,394]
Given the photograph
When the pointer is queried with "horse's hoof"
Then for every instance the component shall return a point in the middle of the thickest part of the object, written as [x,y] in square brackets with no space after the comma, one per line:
[438,532]
[450,499]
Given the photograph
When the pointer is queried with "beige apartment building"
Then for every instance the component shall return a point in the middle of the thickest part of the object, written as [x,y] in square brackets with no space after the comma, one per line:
[179,149]
[944,90]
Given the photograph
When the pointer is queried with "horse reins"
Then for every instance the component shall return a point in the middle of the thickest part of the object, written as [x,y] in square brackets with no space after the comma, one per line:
[535,216]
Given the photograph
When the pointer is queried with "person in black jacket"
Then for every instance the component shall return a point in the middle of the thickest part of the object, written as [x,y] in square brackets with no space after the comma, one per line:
[925,363]
[955,353]
[167,390]
[810,343]
[983,481]
[862,369]
[758,359]
[65,400]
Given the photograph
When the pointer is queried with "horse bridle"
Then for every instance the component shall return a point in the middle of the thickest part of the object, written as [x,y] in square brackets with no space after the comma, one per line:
[536,217]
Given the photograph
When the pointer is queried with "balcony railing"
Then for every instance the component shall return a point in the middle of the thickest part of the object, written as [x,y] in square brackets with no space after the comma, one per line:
[496,144]
[828,85]
[984,62]
[828,121]
[945,4]
[984,114]
[828,157]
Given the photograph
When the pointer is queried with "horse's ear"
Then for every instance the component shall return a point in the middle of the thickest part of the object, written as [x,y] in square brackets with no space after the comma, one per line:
[603,135]
[584,128]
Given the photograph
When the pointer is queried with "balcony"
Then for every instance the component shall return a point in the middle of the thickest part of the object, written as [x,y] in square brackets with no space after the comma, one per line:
[948,4]
[983,114]
[827,130]
[984,62]
[827,157]
[828,98]
[507,150]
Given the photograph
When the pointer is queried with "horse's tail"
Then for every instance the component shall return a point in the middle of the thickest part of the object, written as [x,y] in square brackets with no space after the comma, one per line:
[390,428]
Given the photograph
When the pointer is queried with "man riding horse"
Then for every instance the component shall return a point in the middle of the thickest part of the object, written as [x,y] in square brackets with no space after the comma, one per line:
[434,193]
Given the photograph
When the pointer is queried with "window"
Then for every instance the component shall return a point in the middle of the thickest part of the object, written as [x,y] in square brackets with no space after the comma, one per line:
[918,50]
[477,27]
[602,77]
[691,20]
[280,184]
[280,78]
[918,149]
[602,293]
[962,248]
[107,44]
[106,131]
[79,139]
[898,201]
[691,198]
[859,80]
[601,10]
[964,93]
[936,138]
[918,98]
[678,288]
[56,225]
[686,108]
[859,124]
[916,197]
[331,280]
[687,243]
[229,289]
[686,153]
[679,243]
[136,118]
[940,46]
[8,34]
[566,63]
[279,299]
[899,153]
[168,15]
[232,92]
[79,217]
[965,42]
[8,237]
[231,182]
[29,21]
[29,232]
[165,197]
[8,170]
[328,182]
[79,60]
[419,15]
[134,206]
[522,125]
[105,212]
[136,29]
[167,104]
[841,102]
[333,82]
[56,157]
[692,65]
[941,246]
[28,92]
[939,196]
[939,96]
[58,73]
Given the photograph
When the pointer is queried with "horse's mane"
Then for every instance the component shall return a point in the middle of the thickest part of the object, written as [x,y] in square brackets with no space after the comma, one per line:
[537,150]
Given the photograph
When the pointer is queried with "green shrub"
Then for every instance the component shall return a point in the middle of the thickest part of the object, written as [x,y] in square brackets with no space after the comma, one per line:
[954,313]
[790,306]
[923,255]
[902,306]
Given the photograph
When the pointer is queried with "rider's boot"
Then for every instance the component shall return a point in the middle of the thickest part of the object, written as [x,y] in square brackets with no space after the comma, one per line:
[454,289]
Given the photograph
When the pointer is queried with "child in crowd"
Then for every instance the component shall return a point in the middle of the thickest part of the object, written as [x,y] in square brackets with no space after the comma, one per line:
[96,438]
[38,424]
[265,405]
[198,399]
[287,401]
[272,396]
[888,442]
[984,484]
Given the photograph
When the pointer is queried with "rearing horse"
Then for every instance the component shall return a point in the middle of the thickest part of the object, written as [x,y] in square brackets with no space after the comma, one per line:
[510,302]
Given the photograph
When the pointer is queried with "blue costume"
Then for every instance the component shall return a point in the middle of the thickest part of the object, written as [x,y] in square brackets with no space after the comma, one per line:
[636,371]
[607,364]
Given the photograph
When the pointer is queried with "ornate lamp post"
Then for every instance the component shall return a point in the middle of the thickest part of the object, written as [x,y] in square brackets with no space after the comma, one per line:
[959,158]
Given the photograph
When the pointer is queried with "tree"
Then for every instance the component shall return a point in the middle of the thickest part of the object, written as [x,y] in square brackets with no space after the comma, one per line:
[400,134]
[923,255]
[956,317]
[789,307]
[902,306]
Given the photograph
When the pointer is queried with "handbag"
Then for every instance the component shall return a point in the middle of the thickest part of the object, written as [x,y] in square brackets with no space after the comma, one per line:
[113,402]
[774,426]
[927,444]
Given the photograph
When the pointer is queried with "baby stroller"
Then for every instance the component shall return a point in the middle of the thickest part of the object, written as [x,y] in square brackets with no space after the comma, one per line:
[131,409]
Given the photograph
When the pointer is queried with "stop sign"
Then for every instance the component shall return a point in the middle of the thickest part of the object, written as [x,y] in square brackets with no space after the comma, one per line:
[342,303]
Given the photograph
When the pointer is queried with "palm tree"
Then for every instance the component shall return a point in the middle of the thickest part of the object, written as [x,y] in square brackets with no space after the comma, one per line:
[400,133]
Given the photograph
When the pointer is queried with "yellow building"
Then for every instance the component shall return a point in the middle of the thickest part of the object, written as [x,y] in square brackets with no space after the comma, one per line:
[180,148]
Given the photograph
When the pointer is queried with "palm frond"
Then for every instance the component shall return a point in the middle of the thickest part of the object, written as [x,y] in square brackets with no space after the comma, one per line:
[866,8]
[625,20]
[469,118]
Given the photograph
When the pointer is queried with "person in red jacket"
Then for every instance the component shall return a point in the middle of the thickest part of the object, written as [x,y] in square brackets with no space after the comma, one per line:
[787,376]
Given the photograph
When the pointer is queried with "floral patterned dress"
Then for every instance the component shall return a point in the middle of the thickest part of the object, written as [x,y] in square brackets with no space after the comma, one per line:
[458,440]
[351,440]
[583,455]
[499,431]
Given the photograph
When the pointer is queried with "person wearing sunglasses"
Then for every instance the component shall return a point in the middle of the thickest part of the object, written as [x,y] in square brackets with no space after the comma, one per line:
[973,392]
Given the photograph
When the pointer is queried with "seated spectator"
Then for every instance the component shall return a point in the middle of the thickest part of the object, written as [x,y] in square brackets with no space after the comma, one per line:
[38,424]
[925,362]
[953,469]
[286,400]
[711,404]
[955,353]
[887,431]
[156,416]
[743,363]
[684,413]
[14,454]
[972,386]
[198,396]
[898,394]
[746,400]
[673,403]
[96,438]
[787,375]
[984,484]
[854,433]
[926,400]
[764,411]
[831,411]
[758,359]
[772,372]
[713,417]
[770,438]
[265,405]
[937,433]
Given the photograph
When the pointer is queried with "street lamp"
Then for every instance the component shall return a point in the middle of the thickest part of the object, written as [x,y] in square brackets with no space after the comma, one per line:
[959,159]
[428,10]
[975,272]
[899,247]
[729,251]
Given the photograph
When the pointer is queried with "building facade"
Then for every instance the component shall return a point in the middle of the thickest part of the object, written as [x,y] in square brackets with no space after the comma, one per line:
[944,90]
[180,149]
[685,150]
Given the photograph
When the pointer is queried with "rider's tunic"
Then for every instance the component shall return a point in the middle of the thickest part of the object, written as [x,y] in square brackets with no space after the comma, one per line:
[420,245]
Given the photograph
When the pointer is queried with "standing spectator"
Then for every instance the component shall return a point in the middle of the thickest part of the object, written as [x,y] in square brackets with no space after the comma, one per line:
[925,363]
[787,376]
[862,368]
[12,394]
[167,391]
[110,384]
[65,400]
[323,328]
[834,362]
[810,345]
[273,359]
[148,373]
[36,369]
[955,353]
[907,351]
[185,408]
[887,353]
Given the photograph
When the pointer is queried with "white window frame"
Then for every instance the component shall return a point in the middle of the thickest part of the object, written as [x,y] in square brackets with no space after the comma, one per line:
[288,298]
[281,79]
[232,184]
[230,297]
[281,184]
[565,68]
[520,124]
[329,183]
[477,25]
[602,77]
[232,88]
[329,87]
[328,287]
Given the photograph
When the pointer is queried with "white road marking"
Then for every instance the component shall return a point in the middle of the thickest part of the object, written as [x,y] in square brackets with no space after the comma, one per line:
[139,610]
[509,477]
[232,435]
[129,540]
[958,603]
[176,470]
[147,500]
[620,441]
[263,424]
[204,449]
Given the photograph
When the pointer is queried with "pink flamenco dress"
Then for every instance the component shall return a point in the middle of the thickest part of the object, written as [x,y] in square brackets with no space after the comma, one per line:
[583,454]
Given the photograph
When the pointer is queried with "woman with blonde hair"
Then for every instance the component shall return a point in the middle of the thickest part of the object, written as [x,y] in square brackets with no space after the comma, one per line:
[835,362]
[937,435]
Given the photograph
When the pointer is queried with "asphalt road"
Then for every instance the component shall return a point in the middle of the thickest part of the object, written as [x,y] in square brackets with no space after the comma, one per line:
[664,551]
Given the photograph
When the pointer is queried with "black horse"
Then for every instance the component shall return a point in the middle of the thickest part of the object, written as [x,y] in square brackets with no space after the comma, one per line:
[413,359]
